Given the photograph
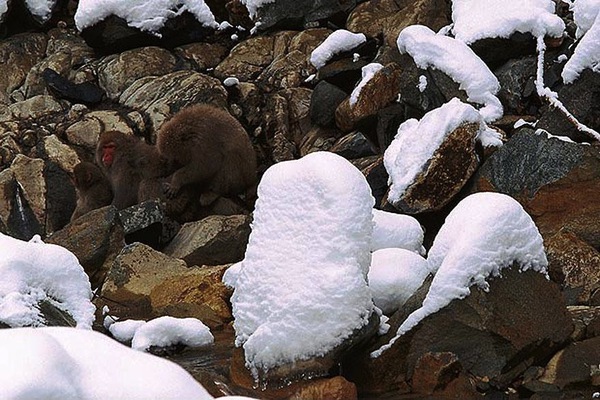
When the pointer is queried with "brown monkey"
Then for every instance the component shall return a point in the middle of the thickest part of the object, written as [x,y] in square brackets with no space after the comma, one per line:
[92,187]
[209,150]
[126,160]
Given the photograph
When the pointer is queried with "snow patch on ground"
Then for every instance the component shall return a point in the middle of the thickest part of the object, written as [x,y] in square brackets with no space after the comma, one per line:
[391,230]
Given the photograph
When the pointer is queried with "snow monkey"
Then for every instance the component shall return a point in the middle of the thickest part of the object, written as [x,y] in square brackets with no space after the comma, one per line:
[126,160]
[209,149]
[92,187]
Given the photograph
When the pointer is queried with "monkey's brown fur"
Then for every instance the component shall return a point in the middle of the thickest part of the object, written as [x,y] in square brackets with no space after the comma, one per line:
[210,150]
[92,187]
[126,160]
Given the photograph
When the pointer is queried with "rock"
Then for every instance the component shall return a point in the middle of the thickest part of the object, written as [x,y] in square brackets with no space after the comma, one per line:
[136,271]
[51,315]
[586,320]
[447,172]
[342,72]
[517,88]
[377,178]
[200,294]
[353,145]
[324,100]
[19,54]
[496,335]
[161,97]
[542,174]
[215,240]
[29,175]
[117,72]
[146,223]
[113,34]
[289,14]
[390,17]
[574,264]
[248,59]
[336,388]
[60,193]
[86,92]
[317,139]
[17,217]
[574,366]
[497,51]
[59,153]
[96,239]
[34,108]
[202,56]
[581,99]
[86,131]
[439,375]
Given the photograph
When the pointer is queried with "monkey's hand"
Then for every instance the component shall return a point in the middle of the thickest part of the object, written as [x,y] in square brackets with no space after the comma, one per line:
[170,190]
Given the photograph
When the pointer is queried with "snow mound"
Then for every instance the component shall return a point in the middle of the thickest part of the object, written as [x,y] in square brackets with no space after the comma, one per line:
[338,42]
[394,276]
[584,15]
[391,230]
[75,364]
[254,5]
[40,8]
[124,331]
[480,19]
[302,287]
[458,61]
[483,234]
[146,15]
[166,331]
[31,272]
[586,54]
[416,142]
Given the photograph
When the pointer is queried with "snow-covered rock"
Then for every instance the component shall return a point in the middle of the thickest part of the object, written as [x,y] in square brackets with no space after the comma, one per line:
[32,272]
[586,54]
[479,19]
[302,287]
[338,42]
[391,230]
[584,15]
[167,331]
[394,276]
[458,61]
[485,233]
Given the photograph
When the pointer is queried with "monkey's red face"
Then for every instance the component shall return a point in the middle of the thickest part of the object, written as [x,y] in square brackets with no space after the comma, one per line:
[108,154]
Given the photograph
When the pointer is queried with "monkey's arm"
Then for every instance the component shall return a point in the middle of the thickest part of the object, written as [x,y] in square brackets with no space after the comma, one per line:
[199,174]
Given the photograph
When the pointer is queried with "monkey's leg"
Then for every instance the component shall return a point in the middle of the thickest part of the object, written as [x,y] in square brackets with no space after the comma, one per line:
[191,174]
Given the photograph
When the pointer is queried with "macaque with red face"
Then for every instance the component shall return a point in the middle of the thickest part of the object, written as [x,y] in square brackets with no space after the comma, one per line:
[209,150]
[92,187]
[126,160]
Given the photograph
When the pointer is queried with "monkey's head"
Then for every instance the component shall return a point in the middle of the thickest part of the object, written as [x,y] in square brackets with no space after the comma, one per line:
[85,174]
[107,144]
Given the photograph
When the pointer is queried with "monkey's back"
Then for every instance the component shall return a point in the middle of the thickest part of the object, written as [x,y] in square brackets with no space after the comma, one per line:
[210,139]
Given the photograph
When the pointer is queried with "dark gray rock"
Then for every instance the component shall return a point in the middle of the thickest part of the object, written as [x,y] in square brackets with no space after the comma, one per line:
[323,102]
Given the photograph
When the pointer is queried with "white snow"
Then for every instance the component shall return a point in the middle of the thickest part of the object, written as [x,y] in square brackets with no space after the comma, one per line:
[586,54]
[33,271]
[254,5]
[584,15]
[67,363]
[231,81]
[480,19]
[368,72]
[338,42]
[231,275]
[485,233]
[394,276]
[124,331]
[416,142]
[146,15]
[302,287]
[422,83]
[41,8]
[3,8]
[458,61]
[391,230]
[166,331]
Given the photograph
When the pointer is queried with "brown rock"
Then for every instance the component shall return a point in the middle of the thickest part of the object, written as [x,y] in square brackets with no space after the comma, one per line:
[201,294]
[117,72]
[248,59]
[136,271]
[449,169]
[28,173]
[202,56]
[390,17]
[575,264]
[434,371]
[586,320]
[336,388]
[18,54]
[578,364]
[380,91]
[86,130]
[558,187]
[496,335]
[215,240]
[96,239]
